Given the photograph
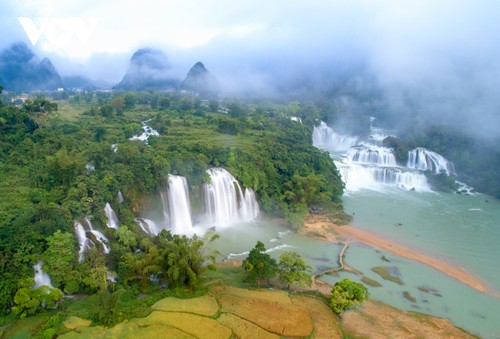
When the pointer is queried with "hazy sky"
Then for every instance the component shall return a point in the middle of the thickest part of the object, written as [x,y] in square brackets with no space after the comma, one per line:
[441,51]
[393,36]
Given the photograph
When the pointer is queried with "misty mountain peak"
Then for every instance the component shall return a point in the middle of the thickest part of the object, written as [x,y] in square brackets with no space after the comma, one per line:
[200,80]
[149,69]
[21,70]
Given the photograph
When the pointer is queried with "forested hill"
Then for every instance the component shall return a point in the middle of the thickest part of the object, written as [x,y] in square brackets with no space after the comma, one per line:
[62,161]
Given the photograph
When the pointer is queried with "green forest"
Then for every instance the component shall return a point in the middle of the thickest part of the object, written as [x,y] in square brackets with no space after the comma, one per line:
[63,157]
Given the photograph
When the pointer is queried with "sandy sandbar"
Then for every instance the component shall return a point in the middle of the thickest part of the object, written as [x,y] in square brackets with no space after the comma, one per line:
[334,233]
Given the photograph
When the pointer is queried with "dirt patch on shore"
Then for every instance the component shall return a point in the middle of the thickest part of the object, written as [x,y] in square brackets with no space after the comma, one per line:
[319,227]
[377,320]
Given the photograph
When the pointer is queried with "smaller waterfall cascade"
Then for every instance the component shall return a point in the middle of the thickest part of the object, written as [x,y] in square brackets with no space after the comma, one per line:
[148,226]
[83,241]
[225,201]
[147,132]
[424,160]
[179,208]
[41,278]
[111,216]
[325,138]
[372,155]
[101,238]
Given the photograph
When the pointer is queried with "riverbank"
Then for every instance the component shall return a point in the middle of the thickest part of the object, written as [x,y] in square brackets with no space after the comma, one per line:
[319,226]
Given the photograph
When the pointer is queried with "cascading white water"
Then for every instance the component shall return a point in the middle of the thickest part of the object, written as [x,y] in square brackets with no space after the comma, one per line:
[179,208]
[41,278]
[358,177]
[372,155]
[325,138]
[225,201]
[368,166]
[148,226]
[424,160]
[111,216]
[83,241]
[119,197]
[147,132]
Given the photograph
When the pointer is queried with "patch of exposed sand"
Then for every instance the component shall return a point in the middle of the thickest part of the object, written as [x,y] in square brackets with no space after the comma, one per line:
[320,227]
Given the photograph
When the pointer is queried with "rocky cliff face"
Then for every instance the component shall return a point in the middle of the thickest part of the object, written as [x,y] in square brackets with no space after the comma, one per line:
[21,70]
[200,80]
[149,69]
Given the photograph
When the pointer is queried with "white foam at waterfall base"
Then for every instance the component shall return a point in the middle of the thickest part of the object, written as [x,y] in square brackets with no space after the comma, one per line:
[357,177]
[41,278]
[225,201]
[111,217]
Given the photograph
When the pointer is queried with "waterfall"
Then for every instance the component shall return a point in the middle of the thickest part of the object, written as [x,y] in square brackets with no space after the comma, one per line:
[111,216]
[358,177]
[367,165]
[325,138]
[176,206]
[83,241]
[41,277]
[147,132]
[372,154]
[424,160]
[179,208]
[101,238]
[148,226]
[119,197]
[225,201]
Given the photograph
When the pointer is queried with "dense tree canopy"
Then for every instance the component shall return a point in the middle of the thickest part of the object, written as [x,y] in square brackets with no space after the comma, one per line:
[58,168]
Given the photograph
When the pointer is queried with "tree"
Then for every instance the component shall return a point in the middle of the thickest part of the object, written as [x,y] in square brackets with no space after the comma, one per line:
[60,257]
[39,109]
[126,237]
[183,258]
[28,300]
[292,268]
[259,264]
[347,294]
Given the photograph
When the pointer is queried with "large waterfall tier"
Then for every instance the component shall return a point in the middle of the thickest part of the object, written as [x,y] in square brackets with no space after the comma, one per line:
[325,138]
[358,177]
[225,201]
[372,155]
[176,205]
[41,278]
[424,160]
[112,219]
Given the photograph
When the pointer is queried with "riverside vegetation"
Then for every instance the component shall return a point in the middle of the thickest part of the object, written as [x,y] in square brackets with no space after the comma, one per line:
[62,161]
